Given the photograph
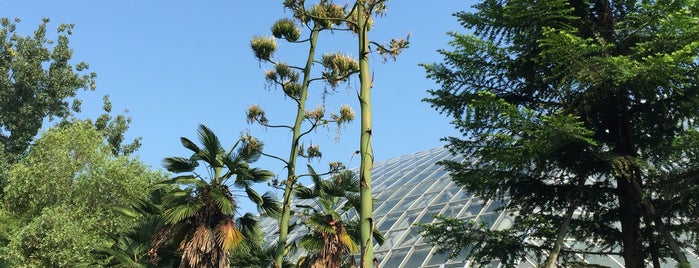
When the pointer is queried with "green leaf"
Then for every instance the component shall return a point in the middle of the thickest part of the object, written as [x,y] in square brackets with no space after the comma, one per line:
[181,212]
[189,145]
[179,164]
[212,147]
[271,206]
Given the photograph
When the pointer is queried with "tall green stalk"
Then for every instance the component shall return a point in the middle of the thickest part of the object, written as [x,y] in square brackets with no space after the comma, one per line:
[293,152]
[366,153]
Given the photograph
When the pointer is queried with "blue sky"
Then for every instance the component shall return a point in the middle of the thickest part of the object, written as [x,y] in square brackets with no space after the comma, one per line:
[176,64]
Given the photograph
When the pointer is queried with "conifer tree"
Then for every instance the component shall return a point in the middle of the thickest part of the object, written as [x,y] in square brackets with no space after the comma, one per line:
[582,119]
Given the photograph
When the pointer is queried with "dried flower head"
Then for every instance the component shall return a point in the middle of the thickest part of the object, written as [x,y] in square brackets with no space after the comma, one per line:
[336,166]
[394,48]
[338,68]
[313,151]
[327,14]
[286,28]
[292,89]
[263,47]
[316,115]
[346,115]
[256,114]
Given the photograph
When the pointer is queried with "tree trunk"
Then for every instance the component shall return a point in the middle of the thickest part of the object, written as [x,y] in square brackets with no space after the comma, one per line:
[561,235]
[630,217]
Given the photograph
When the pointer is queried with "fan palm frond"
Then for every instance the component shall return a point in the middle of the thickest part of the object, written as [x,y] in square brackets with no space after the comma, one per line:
[179,164]
[250,151]
[188,180]
[321,223]
[311,242]
[223,201]
[317,181]
[303,192]
[228,235]
[212,147]
[348,241]
[248,225]
[271,206]
[254,196]
[378,236]
[187,143]
[178,213]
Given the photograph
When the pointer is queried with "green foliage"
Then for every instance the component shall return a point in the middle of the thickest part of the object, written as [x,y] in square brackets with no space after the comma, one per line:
[197,214]
[114,129]
[37,81]
[331,235]
[60,196]
[586,104]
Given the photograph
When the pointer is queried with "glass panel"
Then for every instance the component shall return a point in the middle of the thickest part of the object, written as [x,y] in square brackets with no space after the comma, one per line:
[406,203]
[403,222]
[446,195]
[406,177]
[383,196]
[392,239]
[473,209]
[424,200]
[396,258]
[421,188]
[440,184]
[379,255]
[389,221]
[419,255]
[428,217]
[423,175]
[488,218]
[453,209]
[462,195]
[412,215]
[411,238]
[402,191]
[438,258]
[385,206]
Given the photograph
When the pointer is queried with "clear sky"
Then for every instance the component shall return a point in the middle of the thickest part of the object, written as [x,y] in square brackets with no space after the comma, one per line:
[176,64]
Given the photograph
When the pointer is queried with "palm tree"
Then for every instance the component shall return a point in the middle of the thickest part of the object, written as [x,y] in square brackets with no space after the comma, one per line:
[332,236]
[199,213]
[131,248]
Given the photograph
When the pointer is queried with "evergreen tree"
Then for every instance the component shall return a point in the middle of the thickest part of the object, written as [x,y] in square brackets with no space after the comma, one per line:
[581,114]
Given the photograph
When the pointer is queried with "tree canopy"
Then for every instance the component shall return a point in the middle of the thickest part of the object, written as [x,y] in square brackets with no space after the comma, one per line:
[590,108]
[59,200]
[38,81]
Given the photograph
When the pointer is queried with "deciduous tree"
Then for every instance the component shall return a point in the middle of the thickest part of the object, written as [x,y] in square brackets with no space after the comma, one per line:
[60,197]
[38,81]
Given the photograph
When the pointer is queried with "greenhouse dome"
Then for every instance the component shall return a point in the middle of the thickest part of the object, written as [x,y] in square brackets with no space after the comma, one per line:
[410,189]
